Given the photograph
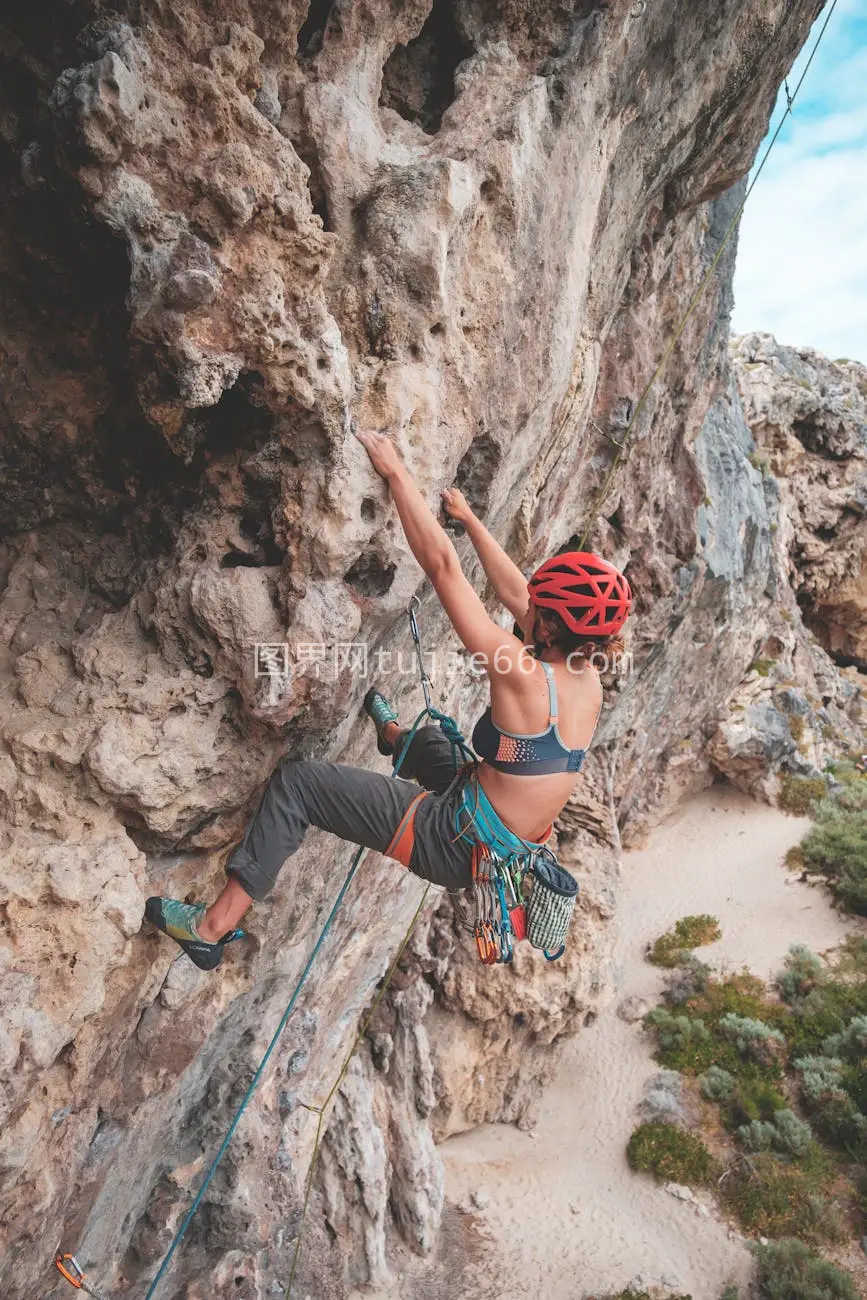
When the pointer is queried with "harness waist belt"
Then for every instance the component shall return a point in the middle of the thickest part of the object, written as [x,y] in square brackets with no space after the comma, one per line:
[478,822]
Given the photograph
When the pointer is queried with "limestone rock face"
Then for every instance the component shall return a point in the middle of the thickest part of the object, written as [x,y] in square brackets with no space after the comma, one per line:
[801,702]
[226,232]
[808,416]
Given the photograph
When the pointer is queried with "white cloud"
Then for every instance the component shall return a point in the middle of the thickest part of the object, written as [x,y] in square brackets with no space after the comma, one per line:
[802,258]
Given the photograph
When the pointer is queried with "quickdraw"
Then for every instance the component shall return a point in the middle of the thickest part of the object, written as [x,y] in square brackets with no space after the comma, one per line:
[69,1267]
[523,896]
[500,919]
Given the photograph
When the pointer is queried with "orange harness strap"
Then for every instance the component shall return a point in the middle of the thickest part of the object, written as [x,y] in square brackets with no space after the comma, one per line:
[401,845]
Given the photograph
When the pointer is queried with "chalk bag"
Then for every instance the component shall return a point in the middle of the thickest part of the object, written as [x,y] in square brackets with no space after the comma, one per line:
[552,902]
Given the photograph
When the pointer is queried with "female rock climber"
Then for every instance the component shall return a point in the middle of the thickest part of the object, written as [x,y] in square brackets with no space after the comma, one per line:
[545,698]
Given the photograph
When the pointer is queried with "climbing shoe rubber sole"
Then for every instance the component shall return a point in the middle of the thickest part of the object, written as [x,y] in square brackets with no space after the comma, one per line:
[177,919]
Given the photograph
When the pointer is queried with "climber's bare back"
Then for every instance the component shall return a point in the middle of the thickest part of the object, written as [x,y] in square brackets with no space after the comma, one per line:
[519,703]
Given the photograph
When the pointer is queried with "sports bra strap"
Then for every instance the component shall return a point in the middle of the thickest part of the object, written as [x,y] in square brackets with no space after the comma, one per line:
[552,692]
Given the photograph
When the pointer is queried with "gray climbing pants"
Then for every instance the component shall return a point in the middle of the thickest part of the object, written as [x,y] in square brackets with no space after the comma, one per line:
[389,814]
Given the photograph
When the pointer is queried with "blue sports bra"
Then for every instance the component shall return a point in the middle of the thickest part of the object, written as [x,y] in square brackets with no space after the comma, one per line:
[535,755]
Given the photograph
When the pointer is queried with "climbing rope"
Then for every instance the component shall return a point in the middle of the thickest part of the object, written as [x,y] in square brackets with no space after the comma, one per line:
[628,433]
[67,1265]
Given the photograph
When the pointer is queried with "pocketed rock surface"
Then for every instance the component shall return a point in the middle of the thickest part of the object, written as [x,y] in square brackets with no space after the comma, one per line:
[226,232]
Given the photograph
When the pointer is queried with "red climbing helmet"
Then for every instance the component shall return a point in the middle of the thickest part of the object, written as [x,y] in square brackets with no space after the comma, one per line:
[589,594]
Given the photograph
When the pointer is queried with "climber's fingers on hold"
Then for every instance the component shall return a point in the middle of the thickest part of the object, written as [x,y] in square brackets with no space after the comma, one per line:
[382,451]
[455,503]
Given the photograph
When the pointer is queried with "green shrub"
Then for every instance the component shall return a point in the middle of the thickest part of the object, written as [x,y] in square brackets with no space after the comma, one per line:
[759,462]
[803,972]
[687,980]
[839,1122]
[730,1293]
[855,1083]
[797,726]
[676,1034]
[692,1040]
[753,1038]
[794,1137]
[757,1136]
[851,960]
[773,1198]
[820,1078]
[762,666]
[668,1153]
[785,1133]
[740,1043]
[851,1043]
[631,1294]
[836,846]
[798,794]
[794,858]
[716,1084]
[823,1013]
[753,1099]
[789,1270]
[845,771]
[852,794]
[689,932]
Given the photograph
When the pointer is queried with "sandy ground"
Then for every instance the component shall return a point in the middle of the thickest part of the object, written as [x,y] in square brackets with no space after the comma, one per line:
[561,1214]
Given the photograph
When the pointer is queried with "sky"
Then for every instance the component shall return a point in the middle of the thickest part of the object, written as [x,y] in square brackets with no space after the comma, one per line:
[801,270]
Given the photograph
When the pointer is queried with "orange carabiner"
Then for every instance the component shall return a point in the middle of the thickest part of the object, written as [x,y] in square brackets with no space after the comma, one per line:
[486,944]
[69,1266]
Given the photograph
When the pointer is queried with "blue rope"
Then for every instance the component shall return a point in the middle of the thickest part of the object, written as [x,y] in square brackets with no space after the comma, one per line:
[457,742]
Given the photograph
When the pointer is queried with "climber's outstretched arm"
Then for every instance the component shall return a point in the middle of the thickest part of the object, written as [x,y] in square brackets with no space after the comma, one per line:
[433,548]
[503,574]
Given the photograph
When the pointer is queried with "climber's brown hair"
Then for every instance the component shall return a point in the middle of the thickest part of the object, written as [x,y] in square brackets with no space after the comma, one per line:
[603,650]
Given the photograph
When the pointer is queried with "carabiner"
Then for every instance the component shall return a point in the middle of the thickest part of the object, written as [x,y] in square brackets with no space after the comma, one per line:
[426,682]
[69,1266]
[413,605]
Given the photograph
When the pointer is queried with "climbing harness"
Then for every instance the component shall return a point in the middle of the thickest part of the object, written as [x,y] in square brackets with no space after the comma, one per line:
[69,1267]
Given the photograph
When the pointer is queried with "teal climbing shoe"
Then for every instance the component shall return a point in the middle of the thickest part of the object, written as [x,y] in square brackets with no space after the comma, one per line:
[378,709]
[179,920]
